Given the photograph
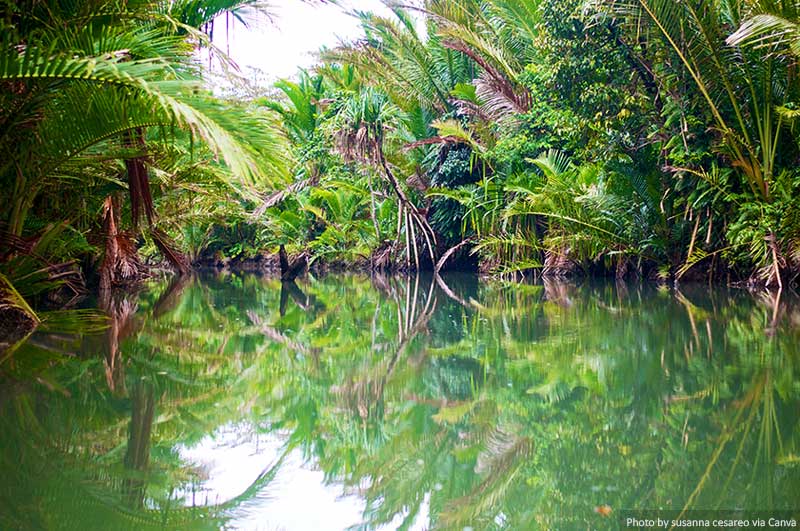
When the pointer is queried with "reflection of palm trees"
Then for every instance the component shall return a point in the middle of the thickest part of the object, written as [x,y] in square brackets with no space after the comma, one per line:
[365,396]
[275,335]
[558,292]
[502,458]
[754,421]
[631,375]
[137,455]
[289,288]
[120,308]
[506,413]
[172,296]
[471,303]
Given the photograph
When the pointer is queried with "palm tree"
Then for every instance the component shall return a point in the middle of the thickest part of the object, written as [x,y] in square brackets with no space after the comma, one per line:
[362,126]
[406,67]
[80,90]
[500,37]
[94,97]
[739,90]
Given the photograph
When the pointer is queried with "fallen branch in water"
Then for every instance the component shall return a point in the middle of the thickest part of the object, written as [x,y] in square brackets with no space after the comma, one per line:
[450,252]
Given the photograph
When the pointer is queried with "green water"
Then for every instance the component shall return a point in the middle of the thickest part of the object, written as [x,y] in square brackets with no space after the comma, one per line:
[393,403]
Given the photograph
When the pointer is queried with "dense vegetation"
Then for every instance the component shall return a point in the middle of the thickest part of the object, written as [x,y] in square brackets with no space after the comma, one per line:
[638,137]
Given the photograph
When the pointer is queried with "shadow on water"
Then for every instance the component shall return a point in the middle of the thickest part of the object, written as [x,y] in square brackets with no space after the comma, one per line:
[402,401]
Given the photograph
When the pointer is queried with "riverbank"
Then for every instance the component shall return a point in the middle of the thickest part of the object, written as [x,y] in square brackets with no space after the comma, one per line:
[18,322]
[554,267]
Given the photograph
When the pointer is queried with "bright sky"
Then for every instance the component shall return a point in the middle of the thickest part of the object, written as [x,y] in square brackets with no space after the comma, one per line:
[297,31]
[297,497]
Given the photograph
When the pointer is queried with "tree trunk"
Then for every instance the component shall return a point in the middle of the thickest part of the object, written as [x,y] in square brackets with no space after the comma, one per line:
[291,270]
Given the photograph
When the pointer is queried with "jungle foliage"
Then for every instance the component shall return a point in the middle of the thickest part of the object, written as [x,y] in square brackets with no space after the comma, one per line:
[112,142]
[616,137]
[647,138]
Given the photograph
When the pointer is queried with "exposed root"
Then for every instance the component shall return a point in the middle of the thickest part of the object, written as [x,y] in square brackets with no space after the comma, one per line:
[558,265]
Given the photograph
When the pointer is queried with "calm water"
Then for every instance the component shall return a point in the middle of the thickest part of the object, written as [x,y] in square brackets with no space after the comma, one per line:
[355,403]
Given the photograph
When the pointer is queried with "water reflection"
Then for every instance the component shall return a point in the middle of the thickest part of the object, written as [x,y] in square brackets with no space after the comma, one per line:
[384,403]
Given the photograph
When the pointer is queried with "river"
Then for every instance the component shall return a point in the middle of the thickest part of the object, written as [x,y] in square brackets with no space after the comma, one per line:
[348,402]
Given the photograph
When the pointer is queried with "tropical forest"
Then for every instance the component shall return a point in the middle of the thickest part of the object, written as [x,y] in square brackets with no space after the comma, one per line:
[474,265]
